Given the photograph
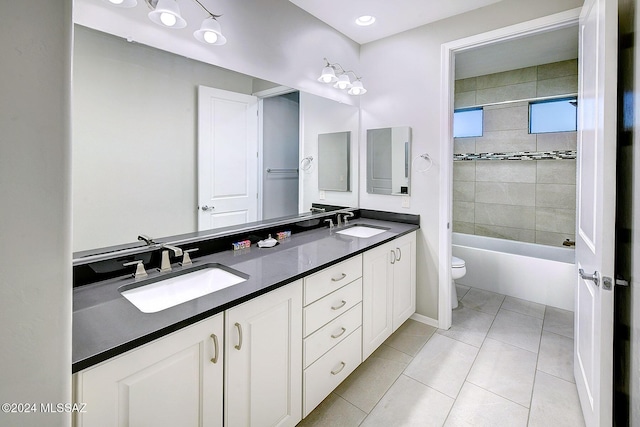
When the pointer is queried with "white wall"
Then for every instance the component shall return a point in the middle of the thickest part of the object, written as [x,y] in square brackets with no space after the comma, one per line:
[135,139]
[270,39]
[318,116]
[35,212]
[403,75]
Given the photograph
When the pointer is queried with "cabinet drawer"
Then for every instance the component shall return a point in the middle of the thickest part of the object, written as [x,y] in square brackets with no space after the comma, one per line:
[331,334]
[330,370]
[328,280]
[333,305]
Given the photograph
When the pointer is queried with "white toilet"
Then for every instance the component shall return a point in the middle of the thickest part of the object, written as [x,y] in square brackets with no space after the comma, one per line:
[458,270]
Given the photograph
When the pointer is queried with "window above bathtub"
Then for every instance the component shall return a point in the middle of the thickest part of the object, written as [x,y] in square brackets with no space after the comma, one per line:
[554,115]
[467,123]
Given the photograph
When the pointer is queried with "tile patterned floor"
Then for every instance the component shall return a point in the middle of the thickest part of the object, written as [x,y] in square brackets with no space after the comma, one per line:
[504,362]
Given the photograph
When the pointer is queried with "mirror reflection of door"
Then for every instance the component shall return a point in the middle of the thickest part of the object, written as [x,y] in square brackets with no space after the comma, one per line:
[227,148]
[280,148]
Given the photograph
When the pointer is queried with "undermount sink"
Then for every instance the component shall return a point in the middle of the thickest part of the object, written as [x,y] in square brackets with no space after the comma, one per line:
[161,292]
[362,231]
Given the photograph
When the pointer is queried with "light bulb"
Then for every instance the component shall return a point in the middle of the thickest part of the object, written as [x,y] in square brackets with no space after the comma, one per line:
[168,19]
[116,1]
[326,79]
[210,37]
[342,85]
[355,91]
[365,20]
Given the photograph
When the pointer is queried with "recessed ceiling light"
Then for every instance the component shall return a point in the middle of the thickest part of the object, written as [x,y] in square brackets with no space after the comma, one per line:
[365,20]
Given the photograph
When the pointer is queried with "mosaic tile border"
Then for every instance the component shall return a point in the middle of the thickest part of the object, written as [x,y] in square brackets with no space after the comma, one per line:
[518,155]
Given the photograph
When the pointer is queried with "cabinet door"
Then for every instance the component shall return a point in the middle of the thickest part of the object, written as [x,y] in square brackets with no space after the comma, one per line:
[404,279]
[158,384]
[377,297]
[263,385]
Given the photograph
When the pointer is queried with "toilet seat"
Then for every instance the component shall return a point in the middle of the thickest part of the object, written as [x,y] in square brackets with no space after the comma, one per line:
[457,262]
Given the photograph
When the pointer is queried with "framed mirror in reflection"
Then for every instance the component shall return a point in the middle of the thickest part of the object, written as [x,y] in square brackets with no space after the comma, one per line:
[163,145]
[334,150]
[389,160]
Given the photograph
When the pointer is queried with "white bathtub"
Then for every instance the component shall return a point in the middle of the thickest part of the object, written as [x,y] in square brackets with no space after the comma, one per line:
[538,273]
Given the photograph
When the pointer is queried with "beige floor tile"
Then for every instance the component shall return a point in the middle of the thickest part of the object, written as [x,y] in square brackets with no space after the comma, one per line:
[517,329]
[410,403]
[469,326]
[555,403]
[369,382]
[461,290]
[443,364]
[410,337]
[505,370]
[559,321]
[556,356]
[524,307]
[478,407]
[334,411]
[390,353]
[483,301]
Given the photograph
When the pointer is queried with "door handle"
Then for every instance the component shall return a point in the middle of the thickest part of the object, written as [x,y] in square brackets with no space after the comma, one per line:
[399,254]
[393,253]
[593,277]
[206,208]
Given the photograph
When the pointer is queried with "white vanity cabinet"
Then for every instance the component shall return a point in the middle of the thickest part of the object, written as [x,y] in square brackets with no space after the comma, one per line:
[332,329]
[175,380]
[263,357]
[388,290]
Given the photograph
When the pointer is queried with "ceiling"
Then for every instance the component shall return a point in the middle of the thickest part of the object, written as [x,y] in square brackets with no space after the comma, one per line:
[392,16]
[541,48]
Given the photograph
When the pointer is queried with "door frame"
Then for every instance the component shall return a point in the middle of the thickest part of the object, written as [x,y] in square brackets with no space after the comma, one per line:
[447,79]
[261,95]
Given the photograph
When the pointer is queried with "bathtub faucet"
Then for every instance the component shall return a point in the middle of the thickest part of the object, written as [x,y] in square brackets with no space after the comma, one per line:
[568,242]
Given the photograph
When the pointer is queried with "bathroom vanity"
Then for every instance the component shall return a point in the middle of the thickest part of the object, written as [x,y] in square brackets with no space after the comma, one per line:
[265,351]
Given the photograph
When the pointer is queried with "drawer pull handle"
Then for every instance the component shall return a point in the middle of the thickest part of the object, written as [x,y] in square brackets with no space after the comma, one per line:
[341,277]
[342,304]
[342,365]
[239,328]
[340,334]
[216,350]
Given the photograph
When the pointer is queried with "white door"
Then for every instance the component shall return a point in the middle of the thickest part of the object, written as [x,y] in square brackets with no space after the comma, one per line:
[593,364]
[227,158]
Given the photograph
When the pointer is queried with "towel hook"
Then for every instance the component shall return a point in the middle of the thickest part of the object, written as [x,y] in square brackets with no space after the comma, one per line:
[425,157]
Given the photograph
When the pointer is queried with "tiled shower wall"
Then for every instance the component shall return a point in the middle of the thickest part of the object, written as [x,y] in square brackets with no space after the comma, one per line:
[525,200]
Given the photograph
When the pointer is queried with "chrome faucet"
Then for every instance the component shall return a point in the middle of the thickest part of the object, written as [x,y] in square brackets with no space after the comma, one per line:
[317,210]
[148,240]
[346,216]
[165,263]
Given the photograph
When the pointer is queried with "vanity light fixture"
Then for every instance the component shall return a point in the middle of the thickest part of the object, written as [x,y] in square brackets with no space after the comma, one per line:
[167,14]
[123,3]
[334,73]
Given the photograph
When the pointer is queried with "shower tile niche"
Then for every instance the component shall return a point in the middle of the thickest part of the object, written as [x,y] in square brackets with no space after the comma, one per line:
[526,200]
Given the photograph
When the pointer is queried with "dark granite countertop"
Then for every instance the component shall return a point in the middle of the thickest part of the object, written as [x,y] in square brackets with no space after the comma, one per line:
[106,324]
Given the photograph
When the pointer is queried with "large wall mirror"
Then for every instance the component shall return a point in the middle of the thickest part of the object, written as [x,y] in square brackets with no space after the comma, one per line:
[136,126]
[389,160]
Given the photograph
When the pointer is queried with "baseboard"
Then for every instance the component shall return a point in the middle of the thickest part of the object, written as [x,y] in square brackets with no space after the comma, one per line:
[424,319]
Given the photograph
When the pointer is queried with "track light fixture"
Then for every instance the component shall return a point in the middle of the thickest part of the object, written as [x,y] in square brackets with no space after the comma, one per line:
[167,14]
[334,73]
